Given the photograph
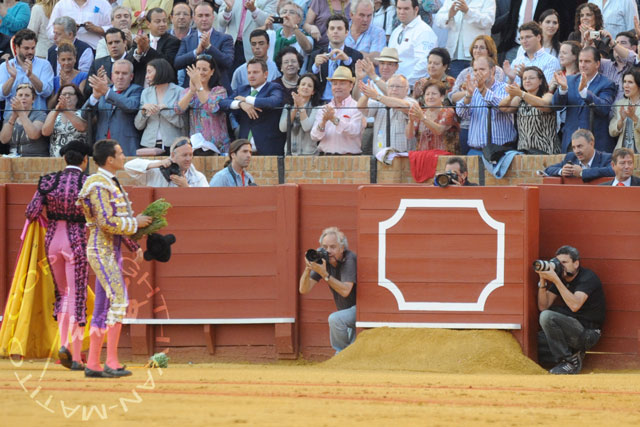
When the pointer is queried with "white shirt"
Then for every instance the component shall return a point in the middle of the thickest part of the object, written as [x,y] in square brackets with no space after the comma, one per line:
[617,15]
[523,6]
[98,12]
[416,41]
[626,182]
[137,169]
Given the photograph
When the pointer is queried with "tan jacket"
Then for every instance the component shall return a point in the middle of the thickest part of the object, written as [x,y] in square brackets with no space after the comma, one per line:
[613,124]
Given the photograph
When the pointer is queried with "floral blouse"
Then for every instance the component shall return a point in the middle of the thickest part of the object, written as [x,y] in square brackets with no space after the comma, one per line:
[207,118]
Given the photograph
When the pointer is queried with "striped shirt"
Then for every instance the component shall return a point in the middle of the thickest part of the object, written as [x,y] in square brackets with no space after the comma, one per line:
[502,128]
[548,63]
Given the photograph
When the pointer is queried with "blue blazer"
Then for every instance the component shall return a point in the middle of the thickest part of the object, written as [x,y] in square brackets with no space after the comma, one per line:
[601,166]
[221,50]
[266,128]
[601,93]
[116,114]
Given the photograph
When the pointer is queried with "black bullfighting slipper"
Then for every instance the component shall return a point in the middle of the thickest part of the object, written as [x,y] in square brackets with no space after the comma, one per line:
[90,373]
[117,372]
[77,366]
[65,357]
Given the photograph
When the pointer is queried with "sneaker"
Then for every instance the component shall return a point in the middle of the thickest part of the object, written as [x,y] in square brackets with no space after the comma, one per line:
[570,366]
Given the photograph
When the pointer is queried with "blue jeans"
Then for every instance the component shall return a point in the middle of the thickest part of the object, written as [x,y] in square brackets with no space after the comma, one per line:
[464,136]
[342,328]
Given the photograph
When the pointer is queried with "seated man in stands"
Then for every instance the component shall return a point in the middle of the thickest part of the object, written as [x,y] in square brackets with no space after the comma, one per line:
[234,173]
[572,323]
[622,164]
[584,161]
[338,127]
[456,169]
[338,270]
[162,173]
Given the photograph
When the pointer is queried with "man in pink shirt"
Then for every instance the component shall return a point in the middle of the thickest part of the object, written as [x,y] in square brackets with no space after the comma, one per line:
[338,128]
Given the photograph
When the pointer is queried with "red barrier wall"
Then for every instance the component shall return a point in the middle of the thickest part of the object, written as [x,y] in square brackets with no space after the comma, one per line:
[602,223]
[432,258]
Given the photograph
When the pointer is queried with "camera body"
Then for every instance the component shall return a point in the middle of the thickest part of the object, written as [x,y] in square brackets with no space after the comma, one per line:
[446,179]
[173,169]
[317,255]
[278,19]
[553,264]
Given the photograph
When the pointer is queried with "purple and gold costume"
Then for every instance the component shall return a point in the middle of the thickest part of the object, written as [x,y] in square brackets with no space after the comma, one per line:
[58,192]
[109,219]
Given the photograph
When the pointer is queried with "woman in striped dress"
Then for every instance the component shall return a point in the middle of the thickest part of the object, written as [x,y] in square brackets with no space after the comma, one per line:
[536,119]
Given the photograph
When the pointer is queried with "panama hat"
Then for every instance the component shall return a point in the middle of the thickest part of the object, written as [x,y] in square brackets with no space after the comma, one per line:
[342,73]
[389,54]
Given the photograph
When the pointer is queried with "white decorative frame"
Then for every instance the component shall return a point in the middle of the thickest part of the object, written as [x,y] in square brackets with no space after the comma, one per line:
[405,204]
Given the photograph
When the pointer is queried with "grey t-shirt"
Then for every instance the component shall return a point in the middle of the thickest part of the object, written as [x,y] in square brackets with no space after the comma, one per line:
[30,147]
[345,271]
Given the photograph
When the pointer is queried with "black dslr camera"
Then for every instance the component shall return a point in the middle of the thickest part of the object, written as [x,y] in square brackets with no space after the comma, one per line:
[446,179]
[173,169]
[313,255]
[553,264]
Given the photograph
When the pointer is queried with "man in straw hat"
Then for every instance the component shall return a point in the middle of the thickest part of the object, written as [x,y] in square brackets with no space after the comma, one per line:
[388,63]
[234,173]
[338,129]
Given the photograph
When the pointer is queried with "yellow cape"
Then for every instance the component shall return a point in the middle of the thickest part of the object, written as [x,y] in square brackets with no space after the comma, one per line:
[28,327]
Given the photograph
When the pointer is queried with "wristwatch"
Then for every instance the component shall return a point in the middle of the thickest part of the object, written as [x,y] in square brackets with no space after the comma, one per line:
[326,279]
[200,89]
[378,98]
[542,287]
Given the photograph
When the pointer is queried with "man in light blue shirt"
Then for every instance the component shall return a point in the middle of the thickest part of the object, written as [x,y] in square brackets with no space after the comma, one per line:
[234,173]
[534,54]
[368,39]
[259,40]
[26,68]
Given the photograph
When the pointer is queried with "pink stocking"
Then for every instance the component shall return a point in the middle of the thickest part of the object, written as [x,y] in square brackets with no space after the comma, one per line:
[96,337]
[113,336]
[63,327]
[77,334]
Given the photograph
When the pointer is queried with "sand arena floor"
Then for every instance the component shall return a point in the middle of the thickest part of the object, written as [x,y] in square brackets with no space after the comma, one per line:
[305,394]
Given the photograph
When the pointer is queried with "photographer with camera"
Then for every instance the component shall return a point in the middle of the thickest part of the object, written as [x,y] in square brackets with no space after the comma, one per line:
[572,323]
[455,173]
[336,265]
[175,171]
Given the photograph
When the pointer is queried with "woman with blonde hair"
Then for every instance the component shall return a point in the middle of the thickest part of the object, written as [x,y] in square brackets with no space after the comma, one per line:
[40,14]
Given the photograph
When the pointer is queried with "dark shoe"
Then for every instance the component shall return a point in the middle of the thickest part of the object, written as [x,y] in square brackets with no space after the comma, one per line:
[65,357]
[569,366]
[90,373]
[77,366]
[117,372]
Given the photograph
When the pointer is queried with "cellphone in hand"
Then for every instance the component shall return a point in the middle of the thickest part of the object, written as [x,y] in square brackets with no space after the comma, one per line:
[278,19]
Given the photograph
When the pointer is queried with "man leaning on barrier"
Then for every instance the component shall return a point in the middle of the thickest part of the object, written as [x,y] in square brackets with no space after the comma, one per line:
[175,171]
[455,174]
[334,263]
[572,323]
[234,173]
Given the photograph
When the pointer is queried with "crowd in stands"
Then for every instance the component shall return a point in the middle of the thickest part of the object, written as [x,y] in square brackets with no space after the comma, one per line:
[453,75]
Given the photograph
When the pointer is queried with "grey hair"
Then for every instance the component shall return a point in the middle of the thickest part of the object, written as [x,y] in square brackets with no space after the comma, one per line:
[117,8]
[124,61]
[299,10]
[583,133]
[342,239]
[356,3]
[67,23]
[569,250]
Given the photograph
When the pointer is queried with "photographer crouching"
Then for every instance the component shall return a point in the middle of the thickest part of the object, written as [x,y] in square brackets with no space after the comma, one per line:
[455,173]
[176,171]
[572,323]
[334,263]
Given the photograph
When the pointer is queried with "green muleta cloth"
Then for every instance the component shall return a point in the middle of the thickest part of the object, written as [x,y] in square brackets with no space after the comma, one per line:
[157,211]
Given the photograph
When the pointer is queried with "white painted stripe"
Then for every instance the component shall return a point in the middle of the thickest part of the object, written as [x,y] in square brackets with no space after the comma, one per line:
[243,321]
[439,325]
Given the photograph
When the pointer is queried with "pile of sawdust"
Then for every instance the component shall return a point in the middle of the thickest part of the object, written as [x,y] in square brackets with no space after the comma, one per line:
[436,350]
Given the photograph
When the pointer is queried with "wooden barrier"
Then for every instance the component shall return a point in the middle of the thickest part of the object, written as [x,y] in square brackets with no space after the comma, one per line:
[453,258]
[602,223]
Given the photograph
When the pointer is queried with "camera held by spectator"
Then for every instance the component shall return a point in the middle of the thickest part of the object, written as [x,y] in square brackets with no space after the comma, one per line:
[172,169]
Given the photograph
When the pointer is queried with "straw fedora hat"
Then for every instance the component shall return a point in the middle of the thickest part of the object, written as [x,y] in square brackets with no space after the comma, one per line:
[389,54]
[342,73]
